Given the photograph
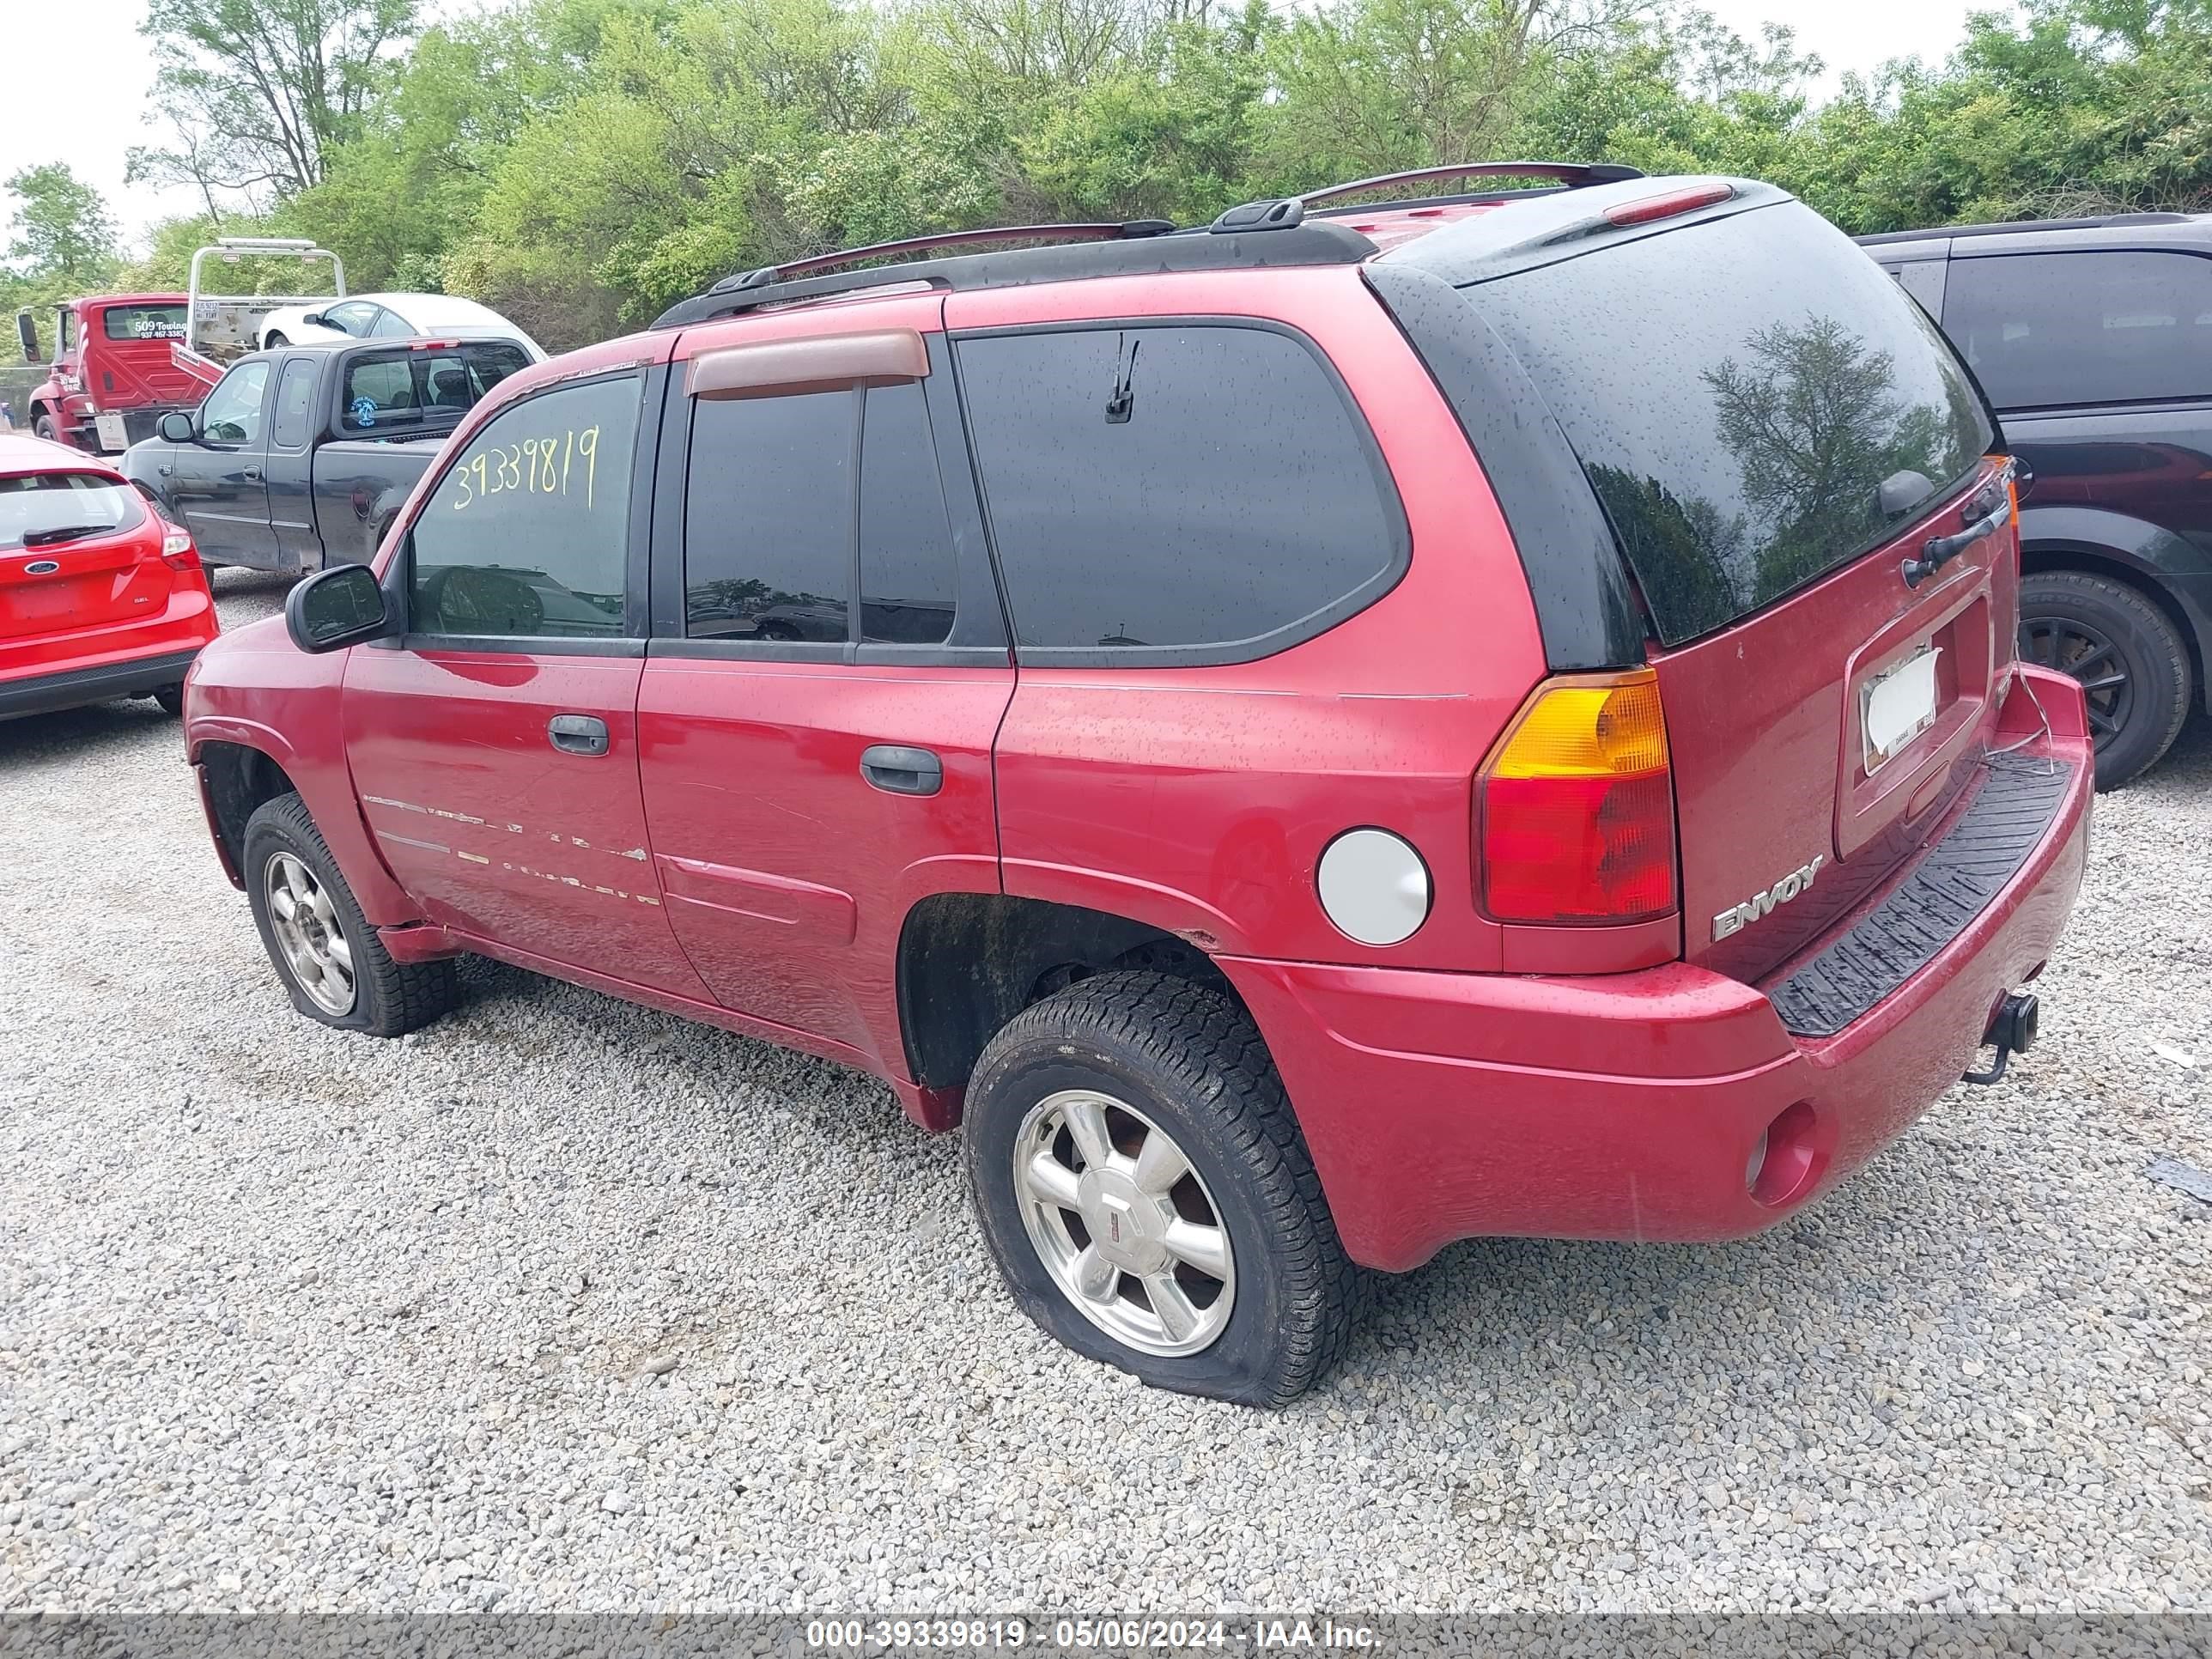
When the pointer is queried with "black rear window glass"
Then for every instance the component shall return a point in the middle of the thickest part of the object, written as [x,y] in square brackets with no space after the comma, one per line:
[1180,486]
[389,393]
[2046,329]
[1753,398]
[144,322]
[46,510]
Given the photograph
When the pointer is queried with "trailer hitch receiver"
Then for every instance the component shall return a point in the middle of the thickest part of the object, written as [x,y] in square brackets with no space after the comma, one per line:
[2012,1031]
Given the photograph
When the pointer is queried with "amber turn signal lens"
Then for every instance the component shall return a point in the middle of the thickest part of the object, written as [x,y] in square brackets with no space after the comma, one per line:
[1588,728]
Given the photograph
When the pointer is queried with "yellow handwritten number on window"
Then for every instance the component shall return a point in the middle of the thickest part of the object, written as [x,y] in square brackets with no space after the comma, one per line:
[536,466]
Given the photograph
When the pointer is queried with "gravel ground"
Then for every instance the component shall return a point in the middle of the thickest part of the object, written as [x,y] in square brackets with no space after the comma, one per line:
[562,1304]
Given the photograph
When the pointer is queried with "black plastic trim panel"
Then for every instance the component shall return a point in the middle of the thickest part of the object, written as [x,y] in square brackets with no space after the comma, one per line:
[1955,882]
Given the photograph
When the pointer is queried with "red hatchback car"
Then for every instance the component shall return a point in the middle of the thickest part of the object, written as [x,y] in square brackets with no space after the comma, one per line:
[99,597]
[1318,736]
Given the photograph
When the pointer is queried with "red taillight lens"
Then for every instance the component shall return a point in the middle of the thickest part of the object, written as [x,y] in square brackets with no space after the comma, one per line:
[177,549]
[1576,806]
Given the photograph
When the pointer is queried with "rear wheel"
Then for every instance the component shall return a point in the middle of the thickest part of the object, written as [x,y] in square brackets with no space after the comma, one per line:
[1144,1187]
[331,960]
[2133,667]
[172,699]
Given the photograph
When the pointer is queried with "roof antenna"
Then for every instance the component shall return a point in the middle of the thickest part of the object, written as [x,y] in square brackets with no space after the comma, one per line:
[1124,400]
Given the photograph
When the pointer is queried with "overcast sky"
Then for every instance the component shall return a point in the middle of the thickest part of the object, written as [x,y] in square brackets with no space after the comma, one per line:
[82,98]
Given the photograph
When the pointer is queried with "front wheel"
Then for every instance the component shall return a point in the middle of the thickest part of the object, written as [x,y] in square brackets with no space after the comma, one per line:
[43,426]
[272,340]
[1145,1190]
[331,960]
[2127,654]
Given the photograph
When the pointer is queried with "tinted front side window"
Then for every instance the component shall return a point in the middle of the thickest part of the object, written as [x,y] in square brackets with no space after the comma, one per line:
[528,531]
[768,519]
[1739,392]
[1174,486]
[231,413]
[905,539]
[2083,328]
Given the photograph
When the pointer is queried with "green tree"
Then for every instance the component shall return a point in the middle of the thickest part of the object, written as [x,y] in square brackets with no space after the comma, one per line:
[260,91]
[60,227]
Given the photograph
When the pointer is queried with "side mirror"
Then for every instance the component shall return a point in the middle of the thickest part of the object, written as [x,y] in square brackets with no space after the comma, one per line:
[27,331]
[313,319]
[175,428]
[334,608]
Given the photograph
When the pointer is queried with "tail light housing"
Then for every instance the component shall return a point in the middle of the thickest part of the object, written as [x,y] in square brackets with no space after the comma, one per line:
[1575,807]
[177,549]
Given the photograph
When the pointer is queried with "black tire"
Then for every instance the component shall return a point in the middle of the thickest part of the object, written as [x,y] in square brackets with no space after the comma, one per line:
[172,699]
[272,340]
[1189,1059]
[2126,652]
[42,426]
[390,999]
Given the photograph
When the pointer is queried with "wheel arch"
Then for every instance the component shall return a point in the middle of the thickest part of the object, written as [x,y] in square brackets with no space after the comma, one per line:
[236,780]
[968,962]
[2189,622]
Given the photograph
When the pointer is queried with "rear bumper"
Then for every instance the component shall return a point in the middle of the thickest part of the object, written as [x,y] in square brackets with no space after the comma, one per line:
[1628,1106]
[70,688]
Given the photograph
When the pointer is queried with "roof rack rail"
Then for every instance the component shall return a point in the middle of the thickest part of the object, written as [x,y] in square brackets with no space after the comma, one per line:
[1142,247]
[1109,232]
[1573,174]
[2096,222]
[1281,212]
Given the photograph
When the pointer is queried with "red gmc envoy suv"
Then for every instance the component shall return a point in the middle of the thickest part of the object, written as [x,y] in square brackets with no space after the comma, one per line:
[1316,736]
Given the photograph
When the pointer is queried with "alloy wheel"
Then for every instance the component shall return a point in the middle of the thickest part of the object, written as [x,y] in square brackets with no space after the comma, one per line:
[308,932]
[1123,1223]
[2073,647]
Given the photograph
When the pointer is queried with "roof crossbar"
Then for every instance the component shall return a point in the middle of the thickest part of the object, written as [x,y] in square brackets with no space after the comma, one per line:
[853,256]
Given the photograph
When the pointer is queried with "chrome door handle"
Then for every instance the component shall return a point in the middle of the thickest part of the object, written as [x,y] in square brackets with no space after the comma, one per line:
[578,734]
[254,475]
[898,769]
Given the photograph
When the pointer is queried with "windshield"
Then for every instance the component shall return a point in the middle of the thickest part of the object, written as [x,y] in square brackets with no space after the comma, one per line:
[39,509]
[144,322]
[1754,400]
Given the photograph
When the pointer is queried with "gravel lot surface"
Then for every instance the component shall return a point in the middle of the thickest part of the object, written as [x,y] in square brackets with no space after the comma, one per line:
[564,1303]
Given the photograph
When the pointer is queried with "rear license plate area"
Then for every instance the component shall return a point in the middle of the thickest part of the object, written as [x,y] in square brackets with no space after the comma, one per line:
[1896,706]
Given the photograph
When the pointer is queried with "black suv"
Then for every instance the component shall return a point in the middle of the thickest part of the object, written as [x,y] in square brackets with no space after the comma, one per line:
[2093,340]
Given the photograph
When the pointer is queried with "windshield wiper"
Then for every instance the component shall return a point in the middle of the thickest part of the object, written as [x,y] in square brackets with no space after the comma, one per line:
[64,532]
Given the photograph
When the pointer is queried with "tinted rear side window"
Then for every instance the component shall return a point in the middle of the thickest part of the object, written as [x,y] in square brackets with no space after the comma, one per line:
[1739,392]
[1205,487]
[768,520]
[2084,328]
[907,579]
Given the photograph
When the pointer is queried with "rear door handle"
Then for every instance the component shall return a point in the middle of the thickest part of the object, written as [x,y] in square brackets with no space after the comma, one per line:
[578,734]
[898,769]
[254,475]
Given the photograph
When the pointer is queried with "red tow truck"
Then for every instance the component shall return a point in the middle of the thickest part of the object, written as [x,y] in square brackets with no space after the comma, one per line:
[123,360]
[114,374]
